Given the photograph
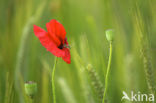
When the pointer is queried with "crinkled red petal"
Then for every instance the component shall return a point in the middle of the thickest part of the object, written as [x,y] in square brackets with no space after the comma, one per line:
[56,31]
[67,56]
[47,42]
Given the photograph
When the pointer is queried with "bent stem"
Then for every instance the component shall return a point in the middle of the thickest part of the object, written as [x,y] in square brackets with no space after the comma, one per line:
[107,73]
[53,82]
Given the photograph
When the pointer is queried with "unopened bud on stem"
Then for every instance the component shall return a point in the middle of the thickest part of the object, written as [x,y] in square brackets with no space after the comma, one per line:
[30,88]
[110,35]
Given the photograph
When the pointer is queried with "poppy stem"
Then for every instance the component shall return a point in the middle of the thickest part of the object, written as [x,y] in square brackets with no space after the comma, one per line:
[107,73]
[53,80]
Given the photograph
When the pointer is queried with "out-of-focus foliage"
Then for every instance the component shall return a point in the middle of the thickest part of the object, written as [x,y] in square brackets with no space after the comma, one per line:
[22,57]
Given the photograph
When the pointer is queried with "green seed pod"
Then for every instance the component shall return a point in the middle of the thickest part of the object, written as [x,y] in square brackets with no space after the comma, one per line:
[110,35]
[30,88]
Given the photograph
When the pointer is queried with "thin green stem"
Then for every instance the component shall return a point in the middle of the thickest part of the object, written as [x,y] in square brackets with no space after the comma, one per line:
[53,81]
[107,73]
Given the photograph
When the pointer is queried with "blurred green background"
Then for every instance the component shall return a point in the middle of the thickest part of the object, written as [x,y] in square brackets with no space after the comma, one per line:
[22,57]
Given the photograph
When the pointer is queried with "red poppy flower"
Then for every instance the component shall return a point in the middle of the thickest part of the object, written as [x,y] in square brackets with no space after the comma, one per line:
[54,40]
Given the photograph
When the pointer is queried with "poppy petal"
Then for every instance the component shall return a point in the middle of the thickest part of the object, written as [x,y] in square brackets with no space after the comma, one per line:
[56,31]
[39,32]
[66,57]
[47,42]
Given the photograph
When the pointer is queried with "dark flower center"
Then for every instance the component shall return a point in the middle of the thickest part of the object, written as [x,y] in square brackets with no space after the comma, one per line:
[60,46]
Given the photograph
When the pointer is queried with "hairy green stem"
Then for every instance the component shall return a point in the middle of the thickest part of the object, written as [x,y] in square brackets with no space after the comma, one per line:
[107,73]
[53,80]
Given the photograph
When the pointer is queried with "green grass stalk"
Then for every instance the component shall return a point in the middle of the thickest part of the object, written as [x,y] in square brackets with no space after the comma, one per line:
[145,51]
[66,90]
[148,66]
[95,82]
[21,56]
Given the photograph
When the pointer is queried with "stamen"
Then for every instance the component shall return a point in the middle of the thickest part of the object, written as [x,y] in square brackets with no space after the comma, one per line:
[66,46]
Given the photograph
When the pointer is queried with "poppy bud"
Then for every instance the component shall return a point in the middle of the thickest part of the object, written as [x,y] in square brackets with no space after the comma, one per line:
[30,88]
[110,34]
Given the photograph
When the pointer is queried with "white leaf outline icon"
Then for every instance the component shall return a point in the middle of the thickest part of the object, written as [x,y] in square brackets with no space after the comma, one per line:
[125,96]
